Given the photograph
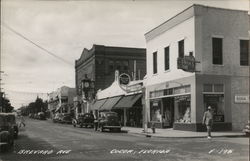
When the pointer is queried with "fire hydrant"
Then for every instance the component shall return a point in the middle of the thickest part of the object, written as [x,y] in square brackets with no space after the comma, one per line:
[153,127]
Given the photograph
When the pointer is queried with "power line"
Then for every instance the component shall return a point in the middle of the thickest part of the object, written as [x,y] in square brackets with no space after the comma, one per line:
[32,42]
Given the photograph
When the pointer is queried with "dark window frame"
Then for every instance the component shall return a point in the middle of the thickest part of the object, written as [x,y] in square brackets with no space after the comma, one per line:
[217,50]
[244,53]
[181,48]
[166,58]
[155,62]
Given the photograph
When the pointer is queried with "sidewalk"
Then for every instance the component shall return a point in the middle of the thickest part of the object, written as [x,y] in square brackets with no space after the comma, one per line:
[170,133]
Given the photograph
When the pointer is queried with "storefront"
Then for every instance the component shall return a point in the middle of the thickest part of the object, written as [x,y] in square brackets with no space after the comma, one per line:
[129,109]
[170,105]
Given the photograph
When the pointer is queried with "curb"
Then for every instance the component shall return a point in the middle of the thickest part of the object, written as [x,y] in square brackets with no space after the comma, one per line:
[182,137]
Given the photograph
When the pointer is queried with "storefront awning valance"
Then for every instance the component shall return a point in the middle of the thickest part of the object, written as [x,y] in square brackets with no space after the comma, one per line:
[128,101]
[97,104]
[110,103]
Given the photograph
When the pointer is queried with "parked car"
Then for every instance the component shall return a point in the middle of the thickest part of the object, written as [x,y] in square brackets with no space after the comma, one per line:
[246,129]
[41,116]
[109,120]
[6,133]
[66,118]
[11,118]
[85,120]
[57,117]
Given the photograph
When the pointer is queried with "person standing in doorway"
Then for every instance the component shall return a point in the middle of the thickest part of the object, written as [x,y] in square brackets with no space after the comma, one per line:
[208,121]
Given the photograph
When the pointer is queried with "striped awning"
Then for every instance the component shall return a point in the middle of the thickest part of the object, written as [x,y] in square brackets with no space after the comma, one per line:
[128,101]
[98,104]
[110,103]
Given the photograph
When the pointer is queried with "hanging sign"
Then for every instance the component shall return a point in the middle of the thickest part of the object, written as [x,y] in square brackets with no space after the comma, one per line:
[187,63]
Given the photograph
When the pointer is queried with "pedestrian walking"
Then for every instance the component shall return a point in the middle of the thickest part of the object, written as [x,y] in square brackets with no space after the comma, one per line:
[95,122]
[208,121]
[22,121]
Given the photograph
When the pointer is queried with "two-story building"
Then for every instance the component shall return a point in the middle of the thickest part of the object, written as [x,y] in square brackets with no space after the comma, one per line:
[196,59]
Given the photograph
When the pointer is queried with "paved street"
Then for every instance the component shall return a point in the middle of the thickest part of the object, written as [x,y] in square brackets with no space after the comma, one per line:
[85,144]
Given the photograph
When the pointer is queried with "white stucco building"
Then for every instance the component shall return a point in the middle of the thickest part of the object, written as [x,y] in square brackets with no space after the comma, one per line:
[218,40]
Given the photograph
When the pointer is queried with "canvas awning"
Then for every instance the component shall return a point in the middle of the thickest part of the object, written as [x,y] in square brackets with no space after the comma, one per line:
[128,101]
[97,104]
[110,103]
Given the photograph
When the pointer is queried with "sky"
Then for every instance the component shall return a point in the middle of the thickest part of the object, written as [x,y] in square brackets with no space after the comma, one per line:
[64,28]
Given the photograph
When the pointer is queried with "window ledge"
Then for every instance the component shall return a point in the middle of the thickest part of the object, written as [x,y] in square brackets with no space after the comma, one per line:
[218,65]
[155,74]
[167,71]
[244,66]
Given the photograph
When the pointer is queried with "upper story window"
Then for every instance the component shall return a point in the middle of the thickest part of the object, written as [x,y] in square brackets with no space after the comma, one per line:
[154,62]
[244,52]
[181,48]
[118,65]
[217,51]
[111,65]
[166,58]
[125,65]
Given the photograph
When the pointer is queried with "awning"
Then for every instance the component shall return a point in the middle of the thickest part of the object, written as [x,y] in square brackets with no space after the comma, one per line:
[110,103]
[97,104]
[128,101]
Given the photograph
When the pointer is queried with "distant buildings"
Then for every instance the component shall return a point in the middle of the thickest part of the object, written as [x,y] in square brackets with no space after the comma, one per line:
[61,100]
[196,59]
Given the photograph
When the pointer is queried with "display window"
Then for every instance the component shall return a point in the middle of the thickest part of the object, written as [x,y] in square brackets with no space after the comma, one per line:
[155,111]
[182,109]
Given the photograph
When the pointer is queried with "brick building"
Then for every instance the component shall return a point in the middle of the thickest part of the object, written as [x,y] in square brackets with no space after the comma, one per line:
[100,62]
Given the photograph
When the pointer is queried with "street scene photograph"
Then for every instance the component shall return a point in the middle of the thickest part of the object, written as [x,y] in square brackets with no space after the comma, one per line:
[125,80]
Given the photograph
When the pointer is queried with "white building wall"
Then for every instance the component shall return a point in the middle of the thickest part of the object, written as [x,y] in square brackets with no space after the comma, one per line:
[184,30]
[230,25]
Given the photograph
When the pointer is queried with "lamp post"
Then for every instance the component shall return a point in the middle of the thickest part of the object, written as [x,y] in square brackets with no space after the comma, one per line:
[88,89]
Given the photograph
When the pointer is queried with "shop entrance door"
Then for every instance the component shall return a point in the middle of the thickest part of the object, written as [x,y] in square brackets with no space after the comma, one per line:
[168,112]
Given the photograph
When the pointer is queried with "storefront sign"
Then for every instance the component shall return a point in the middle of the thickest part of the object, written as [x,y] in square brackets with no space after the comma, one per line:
[187,63]
[134,87]
[241,99]
[124,79]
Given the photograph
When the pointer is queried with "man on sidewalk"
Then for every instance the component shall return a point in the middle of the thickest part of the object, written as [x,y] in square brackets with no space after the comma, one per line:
[208,120]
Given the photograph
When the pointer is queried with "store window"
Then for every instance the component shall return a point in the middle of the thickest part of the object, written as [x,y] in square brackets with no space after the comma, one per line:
[244,52]
[217,51]
[183,110]
[155,111]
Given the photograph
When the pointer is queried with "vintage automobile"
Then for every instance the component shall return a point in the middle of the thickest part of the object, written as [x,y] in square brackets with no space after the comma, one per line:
[65,118]
[6,133]
[246,129]
[57,118]
[11,118]
[85,120]
[109,120]
[41,116]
